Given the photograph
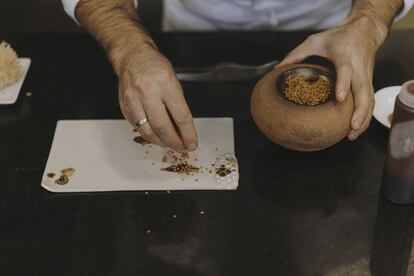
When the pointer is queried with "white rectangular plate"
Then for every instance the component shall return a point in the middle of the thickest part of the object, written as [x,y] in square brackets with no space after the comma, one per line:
[106,158]
[9,94]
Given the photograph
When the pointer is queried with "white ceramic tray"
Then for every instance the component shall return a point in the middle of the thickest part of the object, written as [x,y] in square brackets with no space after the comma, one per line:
[105,158]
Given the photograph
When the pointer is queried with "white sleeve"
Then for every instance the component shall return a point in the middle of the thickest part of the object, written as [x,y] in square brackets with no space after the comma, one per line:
[70,5]
[408,4]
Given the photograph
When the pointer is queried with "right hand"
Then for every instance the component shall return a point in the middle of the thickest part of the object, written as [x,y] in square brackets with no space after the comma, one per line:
[148,88]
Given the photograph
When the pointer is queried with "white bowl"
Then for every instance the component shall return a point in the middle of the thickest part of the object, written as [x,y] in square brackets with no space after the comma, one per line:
[9,94]
[384,104]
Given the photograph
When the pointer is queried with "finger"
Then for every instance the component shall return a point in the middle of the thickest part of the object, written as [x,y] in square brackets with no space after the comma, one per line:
[295,56]
[126,113]
[144,130]
[161,124]
[354,134]
[308,48]
[134,112]
[343,79]
[363,99]
[183,119]
[149,134]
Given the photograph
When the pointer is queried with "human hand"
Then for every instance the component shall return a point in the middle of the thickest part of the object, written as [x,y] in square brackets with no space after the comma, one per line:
[351,47]
[150,93]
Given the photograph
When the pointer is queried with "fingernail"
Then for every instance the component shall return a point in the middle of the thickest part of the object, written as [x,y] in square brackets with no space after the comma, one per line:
[192,146]
[352,136]
[357,124]
[341,95]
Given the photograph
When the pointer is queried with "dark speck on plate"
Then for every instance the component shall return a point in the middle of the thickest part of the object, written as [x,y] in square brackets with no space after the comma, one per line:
[141,140]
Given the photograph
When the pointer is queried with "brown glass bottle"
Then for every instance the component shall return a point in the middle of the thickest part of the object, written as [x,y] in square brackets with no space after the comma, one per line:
[398,177]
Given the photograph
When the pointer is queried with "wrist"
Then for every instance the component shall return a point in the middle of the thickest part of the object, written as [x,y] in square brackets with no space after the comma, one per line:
[129,48]
[372,29]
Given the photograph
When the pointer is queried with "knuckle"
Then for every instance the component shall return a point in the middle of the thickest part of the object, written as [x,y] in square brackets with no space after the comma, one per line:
[182,117]
[147,135]
[161,74]
[165,73]
[345,67]
[371,98]
[371,104]
[312,38]
[127,97]
[160,127]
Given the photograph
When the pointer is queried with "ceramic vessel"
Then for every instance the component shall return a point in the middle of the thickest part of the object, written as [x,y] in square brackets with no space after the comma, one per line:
[294,126]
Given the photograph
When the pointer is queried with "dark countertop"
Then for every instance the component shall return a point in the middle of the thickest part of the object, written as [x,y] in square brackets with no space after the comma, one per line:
[293,213]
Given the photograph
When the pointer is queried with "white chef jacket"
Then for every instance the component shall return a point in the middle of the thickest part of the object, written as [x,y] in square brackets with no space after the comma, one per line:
[213,15]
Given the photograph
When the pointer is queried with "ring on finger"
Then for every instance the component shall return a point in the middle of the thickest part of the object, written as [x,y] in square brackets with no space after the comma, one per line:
[142,122]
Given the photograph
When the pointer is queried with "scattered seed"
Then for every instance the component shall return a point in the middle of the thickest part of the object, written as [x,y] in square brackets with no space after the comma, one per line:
[182,168]
[184,156]
[232,161]
[146,193]
[146,151]
[153,163]
[28,94]
[148,231]
[51,175]
[201,212]
[164,159]
[141,140]
[62,180]
[68,172]
[174,216]
[196,180]
[135,130]
[222,171]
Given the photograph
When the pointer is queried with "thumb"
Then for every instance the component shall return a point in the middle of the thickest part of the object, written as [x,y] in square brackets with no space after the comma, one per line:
[295,56]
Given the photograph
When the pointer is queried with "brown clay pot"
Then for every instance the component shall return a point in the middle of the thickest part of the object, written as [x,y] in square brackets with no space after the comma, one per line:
[294,126]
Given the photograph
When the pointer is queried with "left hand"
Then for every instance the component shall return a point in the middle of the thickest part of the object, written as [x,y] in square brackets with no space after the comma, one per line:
[351,47]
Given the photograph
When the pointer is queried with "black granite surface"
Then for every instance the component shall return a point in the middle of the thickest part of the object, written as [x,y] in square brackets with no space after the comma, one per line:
[293,213]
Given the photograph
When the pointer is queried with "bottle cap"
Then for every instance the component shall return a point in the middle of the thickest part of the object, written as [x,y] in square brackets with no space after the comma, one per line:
[406,95]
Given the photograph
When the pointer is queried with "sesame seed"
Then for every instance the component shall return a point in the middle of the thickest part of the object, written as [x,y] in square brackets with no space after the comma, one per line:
[301,90]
